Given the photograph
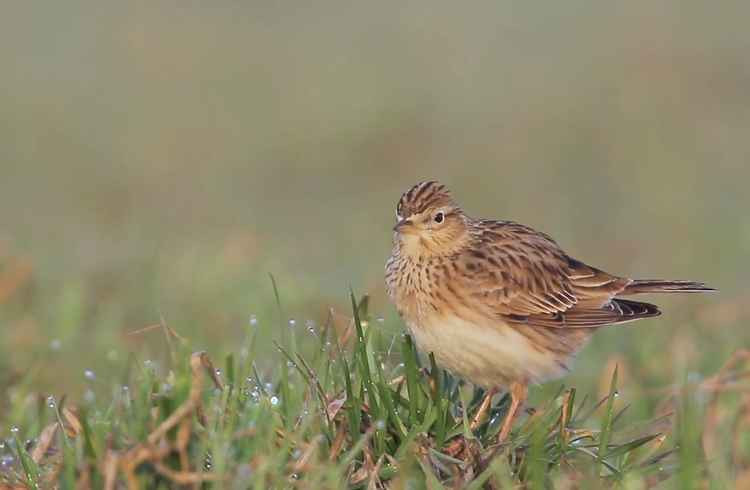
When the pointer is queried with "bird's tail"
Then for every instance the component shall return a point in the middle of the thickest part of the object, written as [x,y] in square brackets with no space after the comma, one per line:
[661,286]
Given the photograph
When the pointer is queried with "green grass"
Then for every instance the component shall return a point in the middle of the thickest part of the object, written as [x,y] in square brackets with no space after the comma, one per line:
[348,408]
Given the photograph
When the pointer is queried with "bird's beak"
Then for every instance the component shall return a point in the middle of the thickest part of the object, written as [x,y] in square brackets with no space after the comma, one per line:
[403,226]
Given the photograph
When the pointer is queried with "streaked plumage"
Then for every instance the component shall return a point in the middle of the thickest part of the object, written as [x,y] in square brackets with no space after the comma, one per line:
[496,301]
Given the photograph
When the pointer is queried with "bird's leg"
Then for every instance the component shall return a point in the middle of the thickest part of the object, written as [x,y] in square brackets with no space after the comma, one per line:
[518,393]
[479,416]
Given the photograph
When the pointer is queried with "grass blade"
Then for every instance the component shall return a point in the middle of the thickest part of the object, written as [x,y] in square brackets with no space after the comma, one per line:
[284,384]
[606,432]
[412,388]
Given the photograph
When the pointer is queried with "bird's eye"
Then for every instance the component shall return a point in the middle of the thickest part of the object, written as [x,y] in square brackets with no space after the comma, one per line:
[439,217]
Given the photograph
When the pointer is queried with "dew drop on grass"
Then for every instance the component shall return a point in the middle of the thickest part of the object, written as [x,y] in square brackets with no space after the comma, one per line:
[6,461]
[89,375]
[253,320]
[616,394]
[292,323]
[274,400]
[218,373]
[380,424]
[380,319]
[295,476]
[289,364]
[269,386]
[14,429]
[310,326]
[51,402]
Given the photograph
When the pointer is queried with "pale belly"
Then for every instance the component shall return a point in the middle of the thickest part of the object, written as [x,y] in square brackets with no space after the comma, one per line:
[493,356]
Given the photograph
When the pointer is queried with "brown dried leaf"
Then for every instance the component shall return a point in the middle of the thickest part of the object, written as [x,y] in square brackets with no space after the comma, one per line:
[335,405]
[183,439]
[302,464]
[338,444]
[74,423]
[111,460]
[46,438]
[375,482]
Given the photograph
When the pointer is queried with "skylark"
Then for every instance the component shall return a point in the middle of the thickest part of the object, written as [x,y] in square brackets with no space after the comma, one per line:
[498,303]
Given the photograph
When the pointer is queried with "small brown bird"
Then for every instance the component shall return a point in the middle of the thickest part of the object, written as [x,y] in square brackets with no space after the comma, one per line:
[498,303]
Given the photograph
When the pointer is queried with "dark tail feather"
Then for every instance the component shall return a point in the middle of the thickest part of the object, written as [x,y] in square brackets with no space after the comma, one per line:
[615,312]
[635,309]
[661,286]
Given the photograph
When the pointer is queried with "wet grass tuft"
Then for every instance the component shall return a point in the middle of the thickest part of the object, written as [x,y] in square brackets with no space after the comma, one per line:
[348,408]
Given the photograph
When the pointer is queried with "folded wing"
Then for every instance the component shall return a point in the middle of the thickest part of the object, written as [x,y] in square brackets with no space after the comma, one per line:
[526,278]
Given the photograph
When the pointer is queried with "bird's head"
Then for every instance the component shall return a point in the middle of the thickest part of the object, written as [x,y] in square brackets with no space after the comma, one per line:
[429,221]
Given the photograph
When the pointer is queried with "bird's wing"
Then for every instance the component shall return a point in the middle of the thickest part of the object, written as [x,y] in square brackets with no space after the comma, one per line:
[524,276]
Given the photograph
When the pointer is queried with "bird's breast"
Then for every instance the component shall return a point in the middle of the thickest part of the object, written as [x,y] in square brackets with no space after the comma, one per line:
[489,354]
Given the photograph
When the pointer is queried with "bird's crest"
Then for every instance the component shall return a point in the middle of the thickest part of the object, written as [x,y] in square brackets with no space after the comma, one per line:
[423,196]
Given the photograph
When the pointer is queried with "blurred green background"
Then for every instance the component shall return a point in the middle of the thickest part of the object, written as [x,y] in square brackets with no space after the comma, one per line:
[162,160]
